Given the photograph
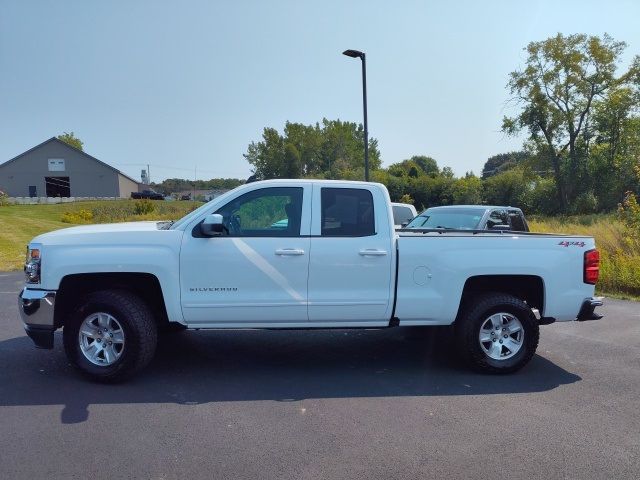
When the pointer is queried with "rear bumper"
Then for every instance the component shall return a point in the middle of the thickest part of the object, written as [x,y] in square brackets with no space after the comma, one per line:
[587,311]
[36,311]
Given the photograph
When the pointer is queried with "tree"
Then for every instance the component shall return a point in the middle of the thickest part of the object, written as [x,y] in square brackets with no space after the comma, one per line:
[502,162]
[467,190]
[565,76]
[267,156]
[308,141]
[292,167]
[447,172]
[615,146]
[414,167]
[511,188]
[333,149]
[427,164]
[70,139]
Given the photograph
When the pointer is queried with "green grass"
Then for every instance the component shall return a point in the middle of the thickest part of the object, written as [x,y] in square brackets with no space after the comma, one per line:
[20,223]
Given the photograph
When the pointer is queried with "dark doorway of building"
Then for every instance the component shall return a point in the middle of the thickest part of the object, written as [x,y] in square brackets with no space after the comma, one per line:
[57,186]
[33,191]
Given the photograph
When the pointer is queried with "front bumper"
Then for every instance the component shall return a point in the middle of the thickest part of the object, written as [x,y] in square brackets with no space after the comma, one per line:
[36,310]
[587,311]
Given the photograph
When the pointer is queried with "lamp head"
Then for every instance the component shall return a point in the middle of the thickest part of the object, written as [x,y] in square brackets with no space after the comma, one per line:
[353,53]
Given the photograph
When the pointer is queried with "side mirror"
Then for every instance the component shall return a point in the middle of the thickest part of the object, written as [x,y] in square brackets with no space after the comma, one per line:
[212,225]
[500,227]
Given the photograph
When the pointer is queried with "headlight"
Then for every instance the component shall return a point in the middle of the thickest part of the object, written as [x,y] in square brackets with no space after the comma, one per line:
[32,264]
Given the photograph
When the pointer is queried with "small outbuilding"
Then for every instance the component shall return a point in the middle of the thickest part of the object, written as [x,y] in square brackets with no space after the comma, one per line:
[56,169]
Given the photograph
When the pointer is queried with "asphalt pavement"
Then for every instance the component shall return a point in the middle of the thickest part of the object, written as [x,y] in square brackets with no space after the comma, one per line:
[371,404]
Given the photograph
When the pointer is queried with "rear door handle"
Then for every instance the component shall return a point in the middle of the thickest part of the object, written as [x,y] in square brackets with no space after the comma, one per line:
[372,252]
[289,251]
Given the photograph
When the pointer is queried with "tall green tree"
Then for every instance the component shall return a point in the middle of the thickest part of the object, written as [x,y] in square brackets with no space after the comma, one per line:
[267,156]
[292,167]
[70,139]
[565,77]
[332,149]
[307,139]
[615,147]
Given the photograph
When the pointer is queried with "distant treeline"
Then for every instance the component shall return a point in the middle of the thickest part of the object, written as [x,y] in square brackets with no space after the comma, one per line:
[173,185]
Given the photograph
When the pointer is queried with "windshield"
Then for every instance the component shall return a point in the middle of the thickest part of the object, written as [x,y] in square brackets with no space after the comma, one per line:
[449,218]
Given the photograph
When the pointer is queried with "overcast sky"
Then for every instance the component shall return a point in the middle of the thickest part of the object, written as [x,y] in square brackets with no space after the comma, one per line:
[184,84]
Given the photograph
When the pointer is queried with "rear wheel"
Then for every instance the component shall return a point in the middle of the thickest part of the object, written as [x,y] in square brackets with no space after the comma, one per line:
[110,335]
[497,333]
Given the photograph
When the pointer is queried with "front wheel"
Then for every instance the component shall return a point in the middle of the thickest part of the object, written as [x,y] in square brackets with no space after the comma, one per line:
[110,335]
[497,333]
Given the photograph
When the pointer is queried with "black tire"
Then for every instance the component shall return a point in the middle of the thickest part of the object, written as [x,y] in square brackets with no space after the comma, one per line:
[140,334]
[475,313]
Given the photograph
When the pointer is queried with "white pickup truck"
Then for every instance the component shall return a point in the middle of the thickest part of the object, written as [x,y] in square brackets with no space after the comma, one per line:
[299,254]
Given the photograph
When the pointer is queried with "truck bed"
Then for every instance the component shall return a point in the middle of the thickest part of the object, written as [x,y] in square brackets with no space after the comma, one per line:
[433,267]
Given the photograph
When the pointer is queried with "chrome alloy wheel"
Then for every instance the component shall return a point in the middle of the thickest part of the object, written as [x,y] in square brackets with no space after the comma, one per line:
[101,339]
[501,336]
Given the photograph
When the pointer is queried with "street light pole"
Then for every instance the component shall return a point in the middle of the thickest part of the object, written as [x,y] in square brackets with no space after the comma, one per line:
[362,56]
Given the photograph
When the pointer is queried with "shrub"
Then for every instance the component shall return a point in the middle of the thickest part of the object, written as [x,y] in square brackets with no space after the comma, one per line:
[543,198]
[80,216]
[143,207]
[467,190]
[508,188]
[585,203]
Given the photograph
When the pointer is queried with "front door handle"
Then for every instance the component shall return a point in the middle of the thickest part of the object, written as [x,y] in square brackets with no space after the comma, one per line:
[289,251]
[372,252]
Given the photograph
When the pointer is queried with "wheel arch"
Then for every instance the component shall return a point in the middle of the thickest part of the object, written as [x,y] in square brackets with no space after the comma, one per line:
[74,287]
[529,288]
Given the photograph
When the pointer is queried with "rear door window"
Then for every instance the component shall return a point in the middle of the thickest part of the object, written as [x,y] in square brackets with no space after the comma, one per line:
[347,212]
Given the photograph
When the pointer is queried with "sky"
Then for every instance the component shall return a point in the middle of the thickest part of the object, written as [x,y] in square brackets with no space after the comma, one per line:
[185,86]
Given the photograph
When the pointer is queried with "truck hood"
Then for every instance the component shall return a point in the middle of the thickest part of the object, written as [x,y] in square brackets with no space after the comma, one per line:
[105,228]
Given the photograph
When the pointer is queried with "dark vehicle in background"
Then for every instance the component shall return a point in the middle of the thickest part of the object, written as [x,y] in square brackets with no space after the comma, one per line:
[149,194]
[471,217]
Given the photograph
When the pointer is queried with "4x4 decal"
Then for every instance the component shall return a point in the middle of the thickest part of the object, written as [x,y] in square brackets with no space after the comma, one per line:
[564,243]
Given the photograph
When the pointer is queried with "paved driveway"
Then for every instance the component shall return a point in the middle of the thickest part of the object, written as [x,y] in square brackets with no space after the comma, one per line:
[326,404]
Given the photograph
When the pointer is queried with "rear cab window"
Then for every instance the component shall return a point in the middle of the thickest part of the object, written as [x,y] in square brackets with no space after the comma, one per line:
[497,217]
[517,221]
